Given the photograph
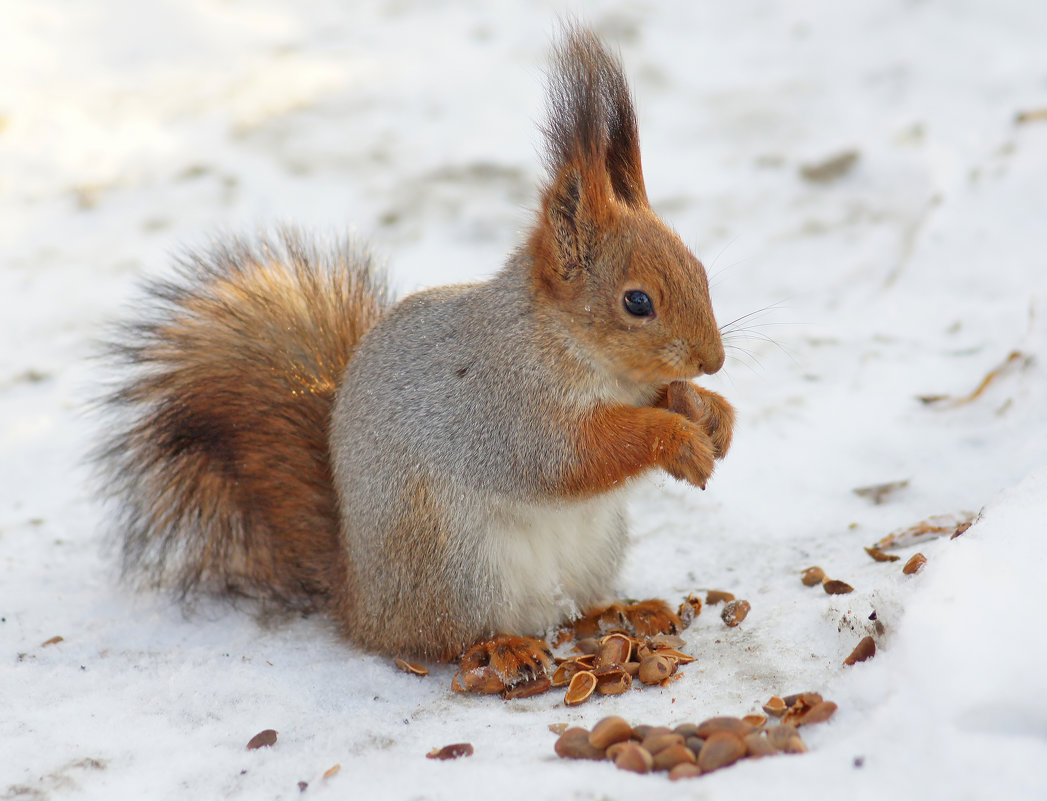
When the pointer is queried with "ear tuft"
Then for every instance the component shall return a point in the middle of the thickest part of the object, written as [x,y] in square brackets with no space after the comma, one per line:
[591,123]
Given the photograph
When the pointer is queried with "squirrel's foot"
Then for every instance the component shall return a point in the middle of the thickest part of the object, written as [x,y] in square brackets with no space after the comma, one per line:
[505,660]
[643,618]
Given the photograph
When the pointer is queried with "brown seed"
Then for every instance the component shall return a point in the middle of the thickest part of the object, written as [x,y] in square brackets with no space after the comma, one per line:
[880,556]
[720,750]
[582,685]
[685,770]
[574,744]
[453,751]
[52,641]
[686,729]
[610,730]
[915,563]
[961,528]
[776,706]
[723,723]
[263,739]
[755,720]
[807,699]
[819,713]
[632,668]
[613,682]
[866,649]
[695,743]
[659,741]
[836,587]
[654,669]
[641,731]
[779,736]
[734,612]
[668,758]
[411,667]
[757,745]
[690,609]
[614,649]
[812,576]
[528,688]
[714,597]
[634,758]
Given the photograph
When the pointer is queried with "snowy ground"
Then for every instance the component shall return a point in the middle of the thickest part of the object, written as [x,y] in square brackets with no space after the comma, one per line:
[129,128]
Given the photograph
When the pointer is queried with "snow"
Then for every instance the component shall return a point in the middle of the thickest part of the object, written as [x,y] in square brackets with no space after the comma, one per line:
[127,129]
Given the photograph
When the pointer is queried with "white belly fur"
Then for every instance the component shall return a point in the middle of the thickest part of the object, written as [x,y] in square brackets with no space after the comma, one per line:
[551,563]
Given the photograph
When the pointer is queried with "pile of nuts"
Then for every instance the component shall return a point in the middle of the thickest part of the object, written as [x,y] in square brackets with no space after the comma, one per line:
[608,666]
[691,749]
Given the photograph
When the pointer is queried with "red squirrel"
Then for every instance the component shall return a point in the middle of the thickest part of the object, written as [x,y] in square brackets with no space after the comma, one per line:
[446,474]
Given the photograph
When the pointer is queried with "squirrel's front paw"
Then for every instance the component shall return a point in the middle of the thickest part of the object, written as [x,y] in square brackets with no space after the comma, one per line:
[695,456]
[503,661]
[708,409]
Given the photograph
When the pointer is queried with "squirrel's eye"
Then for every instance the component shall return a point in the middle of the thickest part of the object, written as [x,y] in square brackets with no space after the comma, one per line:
[637,303]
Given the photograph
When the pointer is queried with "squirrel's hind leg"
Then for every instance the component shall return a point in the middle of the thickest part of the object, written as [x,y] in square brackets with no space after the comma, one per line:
[505,660]
[642,618]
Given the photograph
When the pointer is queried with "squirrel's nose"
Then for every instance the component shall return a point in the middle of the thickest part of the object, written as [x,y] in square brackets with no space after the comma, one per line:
[710,356]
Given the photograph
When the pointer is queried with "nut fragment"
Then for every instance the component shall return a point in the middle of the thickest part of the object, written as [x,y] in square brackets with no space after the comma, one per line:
[721,749]
[528,688]
[610,730]
[714,597]
[836,587]
[482,680]
[734,612]
[812,576]
[915,563]
[453,751]
[574,744]
[614,681]
[865,649]
[582,685]
[263,739]
[755,720]
[634,758]
[776,706]
[662,641]
[654,669]
[411,667]
[614,649]
[880,556]
[690,609]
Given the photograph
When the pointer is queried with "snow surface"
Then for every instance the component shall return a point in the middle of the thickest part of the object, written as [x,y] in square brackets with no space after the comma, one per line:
[127,129]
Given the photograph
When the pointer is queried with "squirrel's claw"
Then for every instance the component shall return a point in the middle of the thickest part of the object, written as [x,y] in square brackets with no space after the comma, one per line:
[505,660]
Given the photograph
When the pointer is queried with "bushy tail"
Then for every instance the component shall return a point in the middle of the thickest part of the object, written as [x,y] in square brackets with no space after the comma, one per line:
[218,456]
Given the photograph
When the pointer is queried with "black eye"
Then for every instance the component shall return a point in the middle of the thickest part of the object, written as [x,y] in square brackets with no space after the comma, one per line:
[638,304]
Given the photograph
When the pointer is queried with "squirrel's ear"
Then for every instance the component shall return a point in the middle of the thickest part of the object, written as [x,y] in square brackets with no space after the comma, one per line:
[575,210]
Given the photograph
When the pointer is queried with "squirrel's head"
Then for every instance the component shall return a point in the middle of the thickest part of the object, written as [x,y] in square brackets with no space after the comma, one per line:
[624,285]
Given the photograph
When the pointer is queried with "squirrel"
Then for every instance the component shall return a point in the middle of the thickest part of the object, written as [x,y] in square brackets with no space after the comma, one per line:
[444,476]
